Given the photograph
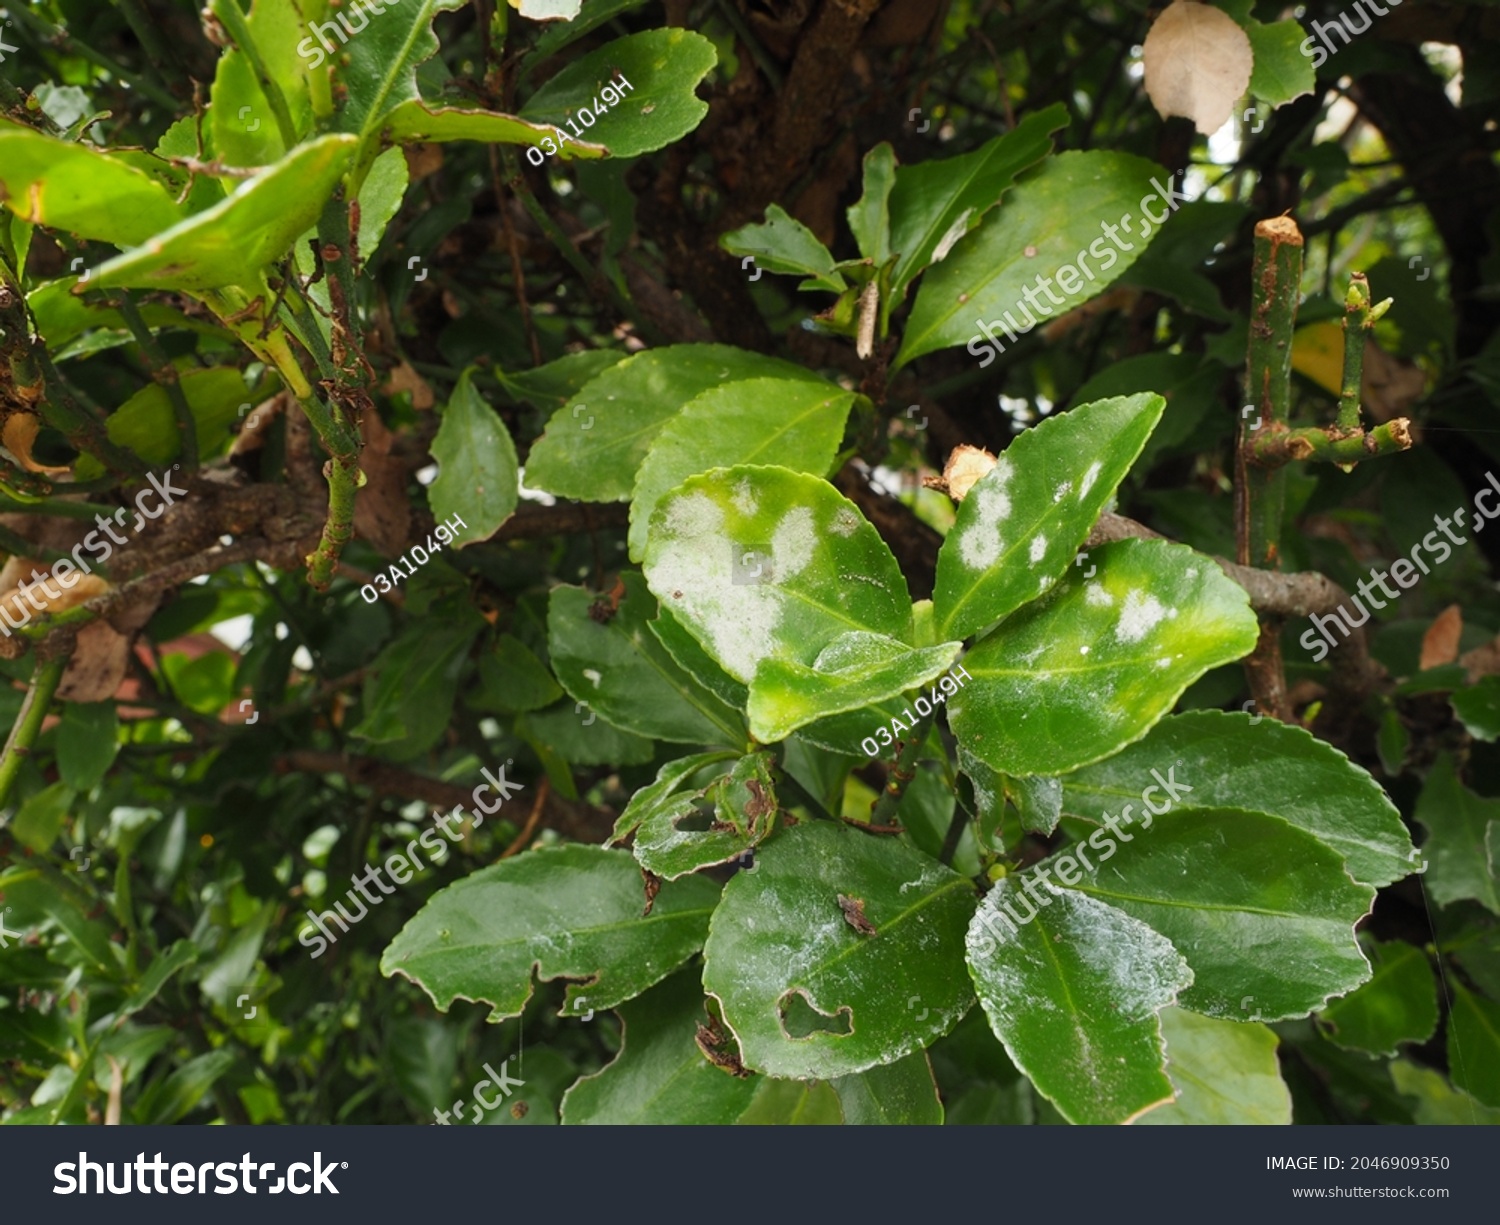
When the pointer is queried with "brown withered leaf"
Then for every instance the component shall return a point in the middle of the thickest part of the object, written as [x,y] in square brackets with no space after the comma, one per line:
[404,378]
[19,436]
[97,668]
[1197,63]
[382,511]
[1440,642]
[965,466]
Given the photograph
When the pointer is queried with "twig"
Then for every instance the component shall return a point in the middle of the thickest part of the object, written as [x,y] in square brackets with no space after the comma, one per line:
[28,723]
[903,770]
[542,792]
[1274,447]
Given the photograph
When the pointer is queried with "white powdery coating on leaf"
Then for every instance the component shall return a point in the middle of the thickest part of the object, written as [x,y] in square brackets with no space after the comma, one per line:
[1141,967]
[1140,615]
[1095,594]
[979,547]
[744,499]
[1090,477]
[1062,491]
[1038,549]
[694,575]
[591,675]
[955,231]
[844,522]
[793,543]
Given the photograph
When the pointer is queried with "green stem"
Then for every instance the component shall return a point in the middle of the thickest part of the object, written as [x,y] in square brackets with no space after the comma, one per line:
[228,13]
[45,32]
[29,722]
[1356,311]
[1331,446]
[1260,491]
[164,373]
[904,769]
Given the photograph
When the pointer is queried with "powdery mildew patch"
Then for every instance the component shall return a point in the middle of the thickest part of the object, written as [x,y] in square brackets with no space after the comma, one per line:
[1142,613]
[980,545]
[794,542]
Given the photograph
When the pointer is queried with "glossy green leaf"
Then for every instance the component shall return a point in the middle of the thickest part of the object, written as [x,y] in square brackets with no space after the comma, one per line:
[417,121]
[567,734]
[807,994]
[663,68]
[891,1095]
[1479,708]
[937,202]
[232,242]
[660,1076]
[1281,72]
[376,68]
[989,798]
[380,198]
[1225,1073]
[1262,911]
[672,791]
[793,1103]
[820,568]
[87,742]
[408,695]
[551,386]
[478,474]
[712,825]
[560,34]
[77,189]
[1020,525]
[1458,861]
[1050,223]
[566,911]
[1474,1045]
[870,217]
[1037,799]
[1398,1004]
[1091,667]
[1074,996]
[856,670]
[693,659]
[1241,761]
[620,670]
[595,443]
[792,422]
[1437,1103]
[784,244]
[240,119]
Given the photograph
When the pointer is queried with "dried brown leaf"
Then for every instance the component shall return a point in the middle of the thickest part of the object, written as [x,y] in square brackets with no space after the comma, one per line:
[1198,64]
[1440,642]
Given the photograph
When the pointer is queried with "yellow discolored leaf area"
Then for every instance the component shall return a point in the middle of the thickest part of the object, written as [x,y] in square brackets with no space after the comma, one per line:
[1198,64]
[19,435]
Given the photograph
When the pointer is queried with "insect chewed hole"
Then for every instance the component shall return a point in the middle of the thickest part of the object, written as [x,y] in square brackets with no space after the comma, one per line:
[699,821]
[799,1019]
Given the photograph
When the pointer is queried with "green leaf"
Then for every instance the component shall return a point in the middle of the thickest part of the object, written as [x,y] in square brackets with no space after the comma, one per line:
[663,68]
[1050,223]
[784,244]
[1458,862]
[87,742]
[41,817]
[423,1057]
[232,242]
[870,217]
[792,422]
[1078,675]
[513,679]
[146,424]
[1262,911]
[408,697]
[560,34]
[793,1103]
[181,1092]
[162,968]
[242,124]
[936,202]
[416,121]
[1398,1004]
[1019,526]
[821,569]
[78,189]
[376,69]
[808,995]
[664,795]
[1225,1073]
[1037,799]
[1437,1103]
[478,474]
[567,734]
[1281,72]
[692,658]
[897,1093]
[551,386]
[1074,996]
[1479,708]
[660,1075]
[595,443]
[380,198]
[1242,761]
[1474,1045]
[855,670]
[566,912]
[728,816]
[620,669]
